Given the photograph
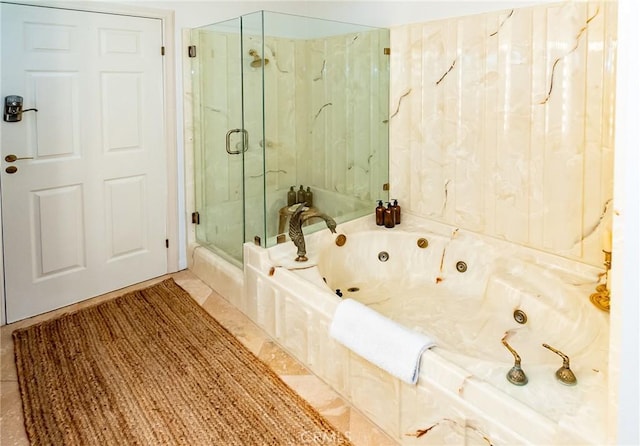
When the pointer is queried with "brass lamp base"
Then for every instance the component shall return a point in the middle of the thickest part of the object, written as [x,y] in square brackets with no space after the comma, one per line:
[601,298]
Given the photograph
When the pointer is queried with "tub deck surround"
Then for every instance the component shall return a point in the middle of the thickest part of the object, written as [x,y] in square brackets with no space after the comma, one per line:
[222,276]
[462,394]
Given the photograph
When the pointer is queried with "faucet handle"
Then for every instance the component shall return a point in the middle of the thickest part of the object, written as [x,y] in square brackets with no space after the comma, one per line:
[515,375]
[564,373]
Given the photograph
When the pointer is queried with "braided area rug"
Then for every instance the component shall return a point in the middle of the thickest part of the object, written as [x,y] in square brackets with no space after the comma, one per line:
[151,367]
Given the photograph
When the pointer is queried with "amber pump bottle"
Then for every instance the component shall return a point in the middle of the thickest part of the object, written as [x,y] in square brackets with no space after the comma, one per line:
[396,209]
[389,222]
[292,197]
[300,196]
[380,214]
[308,197]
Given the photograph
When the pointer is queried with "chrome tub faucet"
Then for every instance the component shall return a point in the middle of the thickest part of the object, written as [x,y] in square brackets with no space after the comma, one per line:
[300,215]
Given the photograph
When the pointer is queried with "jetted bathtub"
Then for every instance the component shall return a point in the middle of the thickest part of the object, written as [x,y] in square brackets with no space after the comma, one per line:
[467,292]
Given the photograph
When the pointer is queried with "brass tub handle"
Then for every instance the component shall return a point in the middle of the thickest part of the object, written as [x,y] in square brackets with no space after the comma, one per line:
[564,373]
[516,375]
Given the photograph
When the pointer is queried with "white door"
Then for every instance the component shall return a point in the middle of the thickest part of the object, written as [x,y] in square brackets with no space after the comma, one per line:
[85,212]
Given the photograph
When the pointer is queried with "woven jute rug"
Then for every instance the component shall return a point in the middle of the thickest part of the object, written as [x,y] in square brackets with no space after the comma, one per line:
[153,368]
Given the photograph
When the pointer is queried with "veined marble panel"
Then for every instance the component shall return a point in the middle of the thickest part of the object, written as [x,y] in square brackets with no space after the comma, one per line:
[340,84]
[502,124]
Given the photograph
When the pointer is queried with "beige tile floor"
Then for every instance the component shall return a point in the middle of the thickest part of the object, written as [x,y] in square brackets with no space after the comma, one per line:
[333,407]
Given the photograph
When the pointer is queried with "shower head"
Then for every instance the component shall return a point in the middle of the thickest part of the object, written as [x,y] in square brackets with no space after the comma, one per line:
[257,60]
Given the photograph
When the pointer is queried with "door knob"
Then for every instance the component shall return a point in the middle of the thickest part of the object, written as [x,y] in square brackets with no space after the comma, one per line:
[13,158]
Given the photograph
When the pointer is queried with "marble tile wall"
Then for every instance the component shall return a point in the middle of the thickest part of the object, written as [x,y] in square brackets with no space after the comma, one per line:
[325,105]
[502,124]
[344,83]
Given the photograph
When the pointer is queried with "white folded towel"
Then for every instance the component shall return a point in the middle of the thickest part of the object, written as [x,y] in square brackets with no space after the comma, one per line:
[378,339]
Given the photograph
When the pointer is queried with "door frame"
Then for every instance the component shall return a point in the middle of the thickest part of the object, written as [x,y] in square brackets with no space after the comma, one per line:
[167,18]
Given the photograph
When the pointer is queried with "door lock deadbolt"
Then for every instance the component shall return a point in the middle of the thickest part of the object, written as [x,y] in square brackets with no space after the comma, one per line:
[13,108]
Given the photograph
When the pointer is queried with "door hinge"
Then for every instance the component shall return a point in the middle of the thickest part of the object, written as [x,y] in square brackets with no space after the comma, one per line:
[166,243]
[195,218]
[191,51]
[162,50]
[387,51]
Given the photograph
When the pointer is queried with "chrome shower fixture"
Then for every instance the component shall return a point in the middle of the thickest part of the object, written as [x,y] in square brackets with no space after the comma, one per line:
[257,60]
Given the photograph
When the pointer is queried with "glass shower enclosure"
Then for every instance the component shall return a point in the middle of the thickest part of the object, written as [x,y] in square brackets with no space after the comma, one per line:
[285,102]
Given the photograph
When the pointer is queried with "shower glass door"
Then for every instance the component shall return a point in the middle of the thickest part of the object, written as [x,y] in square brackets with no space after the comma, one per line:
[253,114]
[227,158]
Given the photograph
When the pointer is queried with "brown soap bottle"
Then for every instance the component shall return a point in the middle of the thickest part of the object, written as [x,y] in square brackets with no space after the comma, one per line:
[396,209]
[380,214]
[292,197]
[308,197]
[389,222]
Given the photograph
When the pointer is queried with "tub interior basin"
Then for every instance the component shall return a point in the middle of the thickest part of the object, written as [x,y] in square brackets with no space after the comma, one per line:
[468,312]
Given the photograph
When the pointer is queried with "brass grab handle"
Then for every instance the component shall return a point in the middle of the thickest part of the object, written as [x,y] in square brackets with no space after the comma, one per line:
[13,158]
[564,373]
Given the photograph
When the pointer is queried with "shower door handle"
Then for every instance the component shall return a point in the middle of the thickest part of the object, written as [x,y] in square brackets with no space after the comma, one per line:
[245,141]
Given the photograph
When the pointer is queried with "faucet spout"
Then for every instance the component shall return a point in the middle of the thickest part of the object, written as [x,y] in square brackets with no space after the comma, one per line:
[300,215]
